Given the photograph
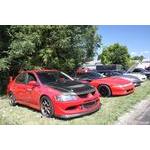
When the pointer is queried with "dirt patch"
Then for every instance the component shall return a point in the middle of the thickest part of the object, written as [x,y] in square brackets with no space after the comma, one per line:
[138,115]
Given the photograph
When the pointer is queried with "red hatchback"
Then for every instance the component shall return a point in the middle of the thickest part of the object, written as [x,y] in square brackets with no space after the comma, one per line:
[53,93]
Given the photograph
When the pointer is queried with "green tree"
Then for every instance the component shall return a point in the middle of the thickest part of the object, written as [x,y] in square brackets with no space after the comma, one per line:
[4,40]
[62,47]
[4,44]
[30,47]
[138,57]
[115,54]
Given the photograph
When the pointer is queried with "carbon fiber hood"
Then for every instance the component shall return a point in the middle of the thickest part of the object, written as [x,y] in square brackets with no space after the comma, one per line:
[72,86]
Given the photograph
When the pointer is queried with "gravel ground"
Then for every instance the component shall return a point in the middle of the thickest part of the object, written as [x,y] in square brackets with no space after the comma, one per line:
[139,115]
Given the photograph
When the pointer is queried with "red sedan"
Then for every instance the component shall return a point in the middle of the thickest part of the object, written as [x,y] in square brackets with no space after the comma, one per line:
[53,93]
[107,86]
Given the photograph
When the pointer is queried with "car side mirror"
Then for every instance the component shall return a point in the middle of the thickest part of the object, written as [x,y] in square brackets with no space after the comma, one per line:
[33,83]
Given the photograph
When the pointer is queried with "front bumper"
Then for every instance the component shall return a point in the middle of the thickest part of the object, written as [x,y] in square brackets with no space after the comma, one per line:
[78,114]
[116,91]
[137,84]
[143,79]
[81,107]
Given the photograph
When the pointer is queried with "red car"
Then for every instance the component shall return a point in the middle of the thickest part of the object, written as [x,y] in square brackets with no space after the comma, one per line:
[53,93]
[107,86]
[83,70]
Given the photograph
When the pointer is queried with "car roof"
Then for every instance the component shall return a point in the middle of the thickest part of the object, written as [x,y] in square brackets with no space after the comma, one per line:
[40,70]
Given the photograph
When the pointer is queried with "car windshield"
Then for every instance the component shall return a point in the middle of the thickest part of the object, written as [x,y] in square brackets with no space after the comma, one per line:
[53,76]
[94,75]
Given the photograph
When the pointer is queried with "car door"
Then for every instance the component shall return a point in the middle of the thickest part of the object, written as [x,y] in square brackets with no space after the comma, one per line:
[20,87]
[32,91]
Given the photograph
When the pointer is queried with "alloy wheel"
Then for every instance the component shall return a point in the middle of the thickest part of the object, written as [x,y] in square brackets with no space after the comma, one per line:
[46,107]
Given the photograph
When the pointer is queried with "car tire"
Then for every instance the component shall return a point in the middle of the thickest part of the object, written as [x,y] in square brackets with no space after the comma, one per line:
[46,107]
[12,99]
[104,90]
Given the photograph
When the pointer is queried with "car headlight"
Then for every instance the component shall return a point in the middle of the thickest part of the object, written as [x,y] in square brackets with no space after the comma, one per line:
[66,97]
[123,85]
[118,85]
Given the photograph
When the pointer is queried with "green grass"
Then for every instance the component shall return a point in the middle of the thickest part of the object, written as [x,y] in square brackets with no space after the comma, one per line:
[111,109]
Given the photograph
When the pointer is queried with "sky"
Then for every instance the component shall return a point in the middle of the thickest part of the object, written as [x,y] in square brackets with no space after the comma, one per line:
[135,37]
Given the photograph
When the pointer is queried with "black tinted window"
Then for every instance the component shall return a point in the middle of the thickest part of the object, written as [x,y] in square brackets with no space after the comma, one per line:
[137,70]
[47,77]
[116,73]
[94,74]
[90,75]
[21,78]
[50,77]
[106,74]
[81,76]
[31,77]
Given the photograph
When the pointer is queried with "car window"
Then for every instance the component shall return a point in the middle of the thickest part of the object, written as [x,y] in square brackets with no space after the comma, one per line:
[81,76]
[136,70]
[46,77]
[106,73]
[90,75]
[50,77]
[116,73]
[94,74]
[21,79]
[103,73]
[31,77]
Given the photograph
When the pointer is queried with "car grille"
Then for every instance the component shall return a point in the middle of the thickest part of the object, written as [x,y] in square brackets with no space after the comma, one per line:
[90,104]
[129,90]
[83,106]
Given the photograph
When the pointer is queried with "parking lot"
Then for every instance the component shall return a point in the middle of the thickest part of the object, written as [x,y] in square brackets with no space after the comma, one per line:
[111,109]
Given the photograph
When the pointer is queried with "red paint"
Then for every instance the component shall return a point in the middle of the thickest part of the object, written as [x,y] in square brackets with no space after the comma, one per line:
[82,70]
[126,87]
[29,94]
